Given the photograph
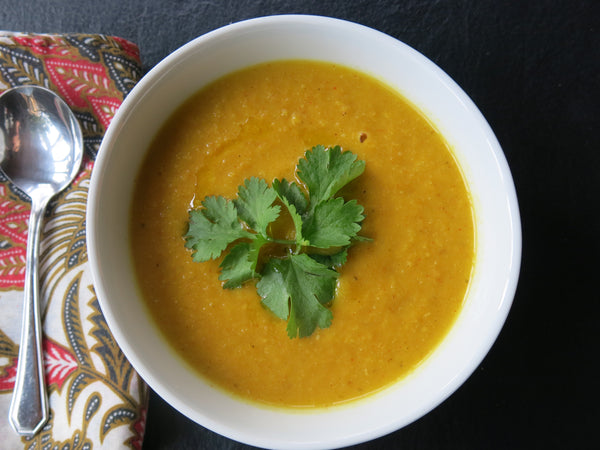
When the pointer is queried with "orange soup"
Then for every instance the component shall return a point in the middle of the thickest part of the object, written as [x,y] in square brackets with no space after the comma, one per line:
[397,295]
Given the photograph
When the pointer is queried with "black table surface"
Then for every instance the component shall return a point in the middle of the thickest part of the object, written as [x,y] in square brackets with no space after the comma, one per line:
[533,69]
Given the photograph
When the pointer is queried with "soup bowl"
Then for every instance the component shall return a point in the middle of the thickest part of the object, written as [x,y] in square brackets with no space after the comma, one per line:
[448,108]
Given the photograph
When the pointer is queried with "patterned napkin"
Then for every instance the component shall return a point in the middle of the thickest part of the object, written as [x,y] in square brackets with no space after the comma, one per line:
[96,398]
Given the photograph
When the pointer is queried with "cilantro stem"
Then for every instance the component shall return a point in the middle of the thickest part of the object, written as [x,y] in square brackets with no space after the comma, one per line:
[281,241]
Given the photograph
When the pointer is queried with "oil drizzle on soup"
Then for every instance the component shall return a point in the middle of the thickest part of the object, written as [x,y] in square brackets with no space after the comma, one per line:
[397,296]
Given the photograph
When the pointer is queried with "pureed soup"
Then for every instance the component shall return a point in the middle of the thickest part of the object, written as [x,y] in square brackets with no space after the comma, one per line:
[397,295]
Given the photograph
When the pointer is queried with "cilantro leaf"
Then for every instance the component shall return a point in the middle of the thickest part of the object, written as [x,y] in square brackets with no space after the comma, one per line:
[239,265]
[333,224]
[297,221]
[326,171]
[298,287]
[212,228]
[295,201]
[273,290]
[331,260]
[254,204]
[236,267]
[292,193]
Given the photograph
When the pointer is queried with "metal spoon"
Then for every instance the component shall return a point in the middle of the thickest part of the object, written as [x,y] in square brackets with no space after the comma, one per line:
[41,148]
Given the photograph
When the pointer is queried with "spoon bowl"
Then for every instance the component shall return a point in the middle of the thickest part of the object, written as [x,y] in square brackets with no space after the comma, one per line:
[41,148]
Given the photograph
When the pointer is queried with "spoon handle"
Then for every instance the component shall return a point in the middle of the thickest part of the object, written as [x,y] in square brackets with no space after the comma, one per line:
[29,406]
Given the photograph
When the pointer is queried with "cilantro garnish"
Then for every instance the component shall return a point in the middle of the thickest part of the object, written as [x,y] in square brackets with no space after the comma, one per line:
[298,283]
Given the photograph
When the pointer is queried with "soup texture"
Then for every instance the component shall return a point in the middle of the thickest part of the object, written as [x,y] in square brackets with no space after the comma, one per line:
[397,295]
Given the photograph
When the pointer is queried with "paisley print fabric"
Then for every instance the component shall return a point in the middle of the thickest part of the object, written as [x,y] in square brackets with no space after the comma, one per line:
[96,398]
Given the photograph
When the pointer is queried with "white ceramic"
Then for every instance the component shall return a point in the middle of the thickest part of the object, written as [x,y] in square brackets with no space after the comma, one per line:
[204,59]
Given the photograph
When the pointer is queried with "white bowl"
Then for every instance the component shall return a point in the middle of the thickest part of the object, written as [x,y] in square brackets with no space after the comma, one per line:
[498,234]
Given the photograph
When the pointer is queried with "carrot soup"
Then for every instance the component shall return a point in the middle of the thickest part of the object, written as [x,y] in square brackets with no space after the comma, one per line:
[396,296]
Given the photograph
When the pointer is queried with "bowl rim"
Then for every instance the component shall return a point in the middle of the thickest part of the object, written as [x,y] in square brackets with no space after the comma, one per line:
[99,175]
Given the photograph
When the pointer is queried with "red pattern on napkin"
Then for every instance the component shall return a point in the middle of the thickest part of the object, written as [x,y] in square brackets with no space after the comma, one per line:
[13,228]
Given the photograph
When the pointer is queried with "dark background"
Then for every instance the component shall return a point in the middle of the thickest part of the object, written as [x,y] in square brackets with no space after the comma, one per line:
[533,68]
